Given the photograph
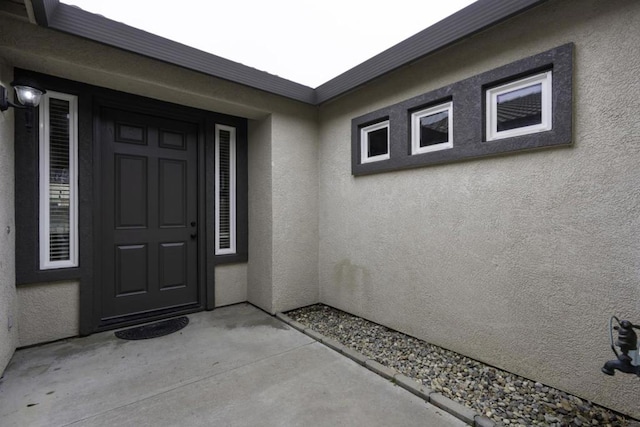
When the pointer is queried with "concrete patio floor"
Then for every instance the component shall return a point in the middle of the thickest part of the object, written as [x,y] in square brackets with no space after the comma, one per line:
[234,366]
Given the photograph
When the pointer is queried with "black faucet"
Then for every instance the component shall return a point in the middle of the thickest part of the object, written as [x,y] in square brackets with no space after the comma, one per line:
[627,341]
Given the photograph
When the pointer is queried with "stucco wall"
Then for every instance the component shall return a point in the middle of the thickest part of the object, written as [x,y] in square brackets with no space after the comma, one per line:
[48,312]
[231,284]
[295,210]
[260,266]
[8,301]
[283,215]
[517,260]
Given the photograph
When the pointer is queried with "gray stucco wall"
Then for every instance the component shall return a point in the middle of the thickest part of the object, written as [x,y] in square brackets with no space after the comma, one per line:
[230,284]
[8,301]
[295,210]
[283,215]
[48,312]
[260,266]
[518,260]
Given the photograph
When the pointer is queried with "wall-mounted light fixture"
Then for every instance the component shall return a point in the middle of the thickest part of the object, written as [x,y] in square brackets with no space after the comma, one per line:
[28,93]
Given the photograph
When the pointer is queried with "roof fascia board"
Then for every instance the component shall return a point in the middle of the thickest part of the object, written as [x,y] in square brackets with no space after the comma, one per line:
[75,21]
[44,10]
[474,18]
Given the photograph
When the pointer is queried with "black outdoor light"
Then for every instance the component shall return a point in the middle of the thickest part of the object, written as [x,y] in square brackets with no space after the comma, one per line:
[627,360]
[29,94]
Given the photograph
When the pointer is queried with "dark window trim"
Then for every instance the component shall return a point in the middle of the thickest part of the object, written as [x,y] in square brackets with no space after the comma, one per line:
[469,114]
[242,191]
[27,172]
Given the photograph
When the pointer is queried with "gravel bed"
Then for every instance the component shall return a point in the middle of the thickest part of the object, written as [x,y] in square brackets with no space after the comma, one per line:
[506,398]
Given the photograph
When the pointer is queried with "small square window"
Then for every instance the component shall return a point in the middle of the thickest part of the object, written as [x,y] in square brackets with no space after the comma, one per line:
[520,107]
[374,142]
[431,129]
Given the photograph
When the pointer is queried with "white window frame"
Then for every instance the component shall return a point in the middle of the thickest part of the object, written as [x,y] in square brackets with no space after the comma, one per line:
[364,142]
[45,224]
[415,128]
[232,190]
[492,111]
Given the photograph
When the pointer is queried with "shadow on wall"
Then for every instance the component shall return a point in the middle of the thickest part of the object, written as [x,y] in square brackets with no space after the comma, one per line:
[353,282]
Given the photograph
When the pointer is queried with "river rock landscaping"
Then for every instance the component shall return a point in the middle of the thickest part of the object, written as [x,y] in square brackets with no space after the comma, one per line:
[506,398]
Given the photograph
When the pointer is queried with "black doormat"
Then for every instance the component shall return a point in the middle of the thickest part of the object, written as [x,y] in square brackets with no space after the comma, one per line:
[154,330]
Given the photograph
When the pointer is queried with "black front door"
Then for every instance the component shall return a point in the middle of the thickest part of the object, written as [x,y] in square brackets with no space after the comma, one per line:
[149,212]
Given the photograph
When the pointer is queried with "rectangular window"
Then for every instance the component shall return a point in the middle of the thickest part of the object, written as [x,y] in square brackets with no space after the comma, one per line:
[520,107]
[431,129]
[374,140]
[58,181]
[225,190]
[516,107]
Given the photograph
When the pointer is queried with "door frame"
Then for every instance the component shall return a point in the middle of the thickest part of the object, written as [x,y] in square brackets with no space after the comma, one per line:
[206,291]
[87,274]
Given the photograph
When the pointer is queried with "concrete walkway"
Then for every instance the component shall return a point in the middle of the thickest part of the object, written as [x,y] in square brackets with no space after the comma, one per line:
[234,366]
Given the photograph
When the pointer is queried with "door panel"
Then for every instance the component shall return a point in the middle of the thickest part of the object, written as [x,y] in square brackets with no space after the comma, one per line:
[131,191]
[173,193]
[149,198]
[172,261]
[173,140]
[131,270]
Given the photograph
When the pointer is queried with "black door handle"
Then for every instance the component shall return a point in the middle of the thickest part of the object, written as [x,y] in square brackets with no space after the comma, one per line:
[193,236]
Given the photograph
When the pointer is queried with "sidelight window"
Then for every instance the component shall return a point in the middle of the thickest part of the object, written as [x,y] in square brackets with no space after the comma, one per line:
[58,181]
[225,190]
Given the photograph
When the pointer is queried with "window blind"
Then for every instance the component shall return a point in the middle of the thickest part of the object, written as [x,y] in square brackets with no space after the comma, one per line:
[225,190]
[59,183]
[224,223]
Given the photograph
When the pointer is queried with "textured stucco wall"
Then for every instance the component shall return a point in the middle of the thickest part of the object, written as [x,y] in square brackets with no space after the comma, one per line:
[517,260]
[283,216]
[295,210]
[48,312]
[260,266]
[231,284]
[8,301]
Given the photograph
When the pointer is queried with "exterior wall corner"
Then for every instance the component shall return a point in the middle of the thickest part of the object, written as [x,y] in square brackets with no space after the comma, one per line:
[8,297]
